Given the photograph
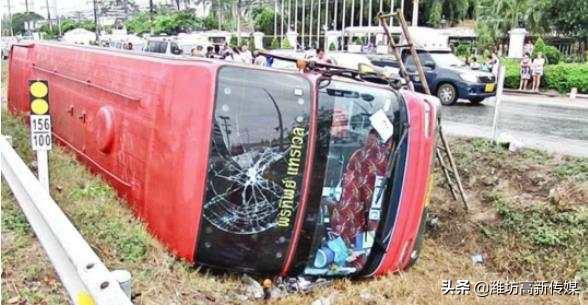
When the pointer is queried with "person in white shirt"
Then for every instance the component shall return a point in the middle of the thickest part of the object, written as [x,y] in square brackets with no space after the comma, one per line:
[246,56]
[537,70]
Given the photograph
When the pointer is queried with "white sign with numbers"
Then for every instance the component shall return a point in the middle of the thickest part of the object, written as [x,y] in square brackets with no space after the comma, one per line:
[41,132]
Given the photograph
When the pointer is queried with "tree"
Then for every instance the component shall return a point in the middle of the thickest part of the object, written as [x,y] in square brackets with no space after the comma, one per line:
[264,20]
[176,22]
[19,20]
[139,23]
[435,16]
[569,17]
[68,25]
[500,16]
[210,22]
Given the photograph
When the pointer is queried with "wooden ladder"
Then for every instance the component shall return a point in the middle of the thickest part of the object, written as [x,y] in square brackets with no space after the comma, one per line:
[442,150]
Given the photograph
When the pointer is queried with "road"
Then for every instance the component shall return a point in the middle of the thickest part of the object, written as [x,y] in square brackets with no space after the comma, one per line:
[551,124]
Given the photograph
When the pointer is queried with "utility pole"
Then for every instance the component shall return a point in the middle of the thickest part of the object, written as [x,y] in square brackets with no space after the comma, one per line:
[96,20]
[318,25]
[343,26]
[335,16]
[391,11]
[370,20]
[238,22]
[352,13]
[289,16]
[282,18]
[49,16]
[360,12]
[310,23]
[415,12]
[382,11]
[326,17]
[275,19]
[57,17]
[303,21]
[28,22]
[296,16]
[10,19]
[151,16]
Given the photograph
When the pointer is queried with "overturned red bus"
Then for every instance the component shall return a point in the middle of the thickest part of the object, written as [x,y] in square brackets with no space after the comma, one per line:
[241,167]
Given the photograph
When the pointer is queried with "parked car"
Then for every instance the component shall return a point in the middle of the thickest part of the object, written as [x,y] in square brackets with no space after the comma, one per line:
[162,46]
[449,78]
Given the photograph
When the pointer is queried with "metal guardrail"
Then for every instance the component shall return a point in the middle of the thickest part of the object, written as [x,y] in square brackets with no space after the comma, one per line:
[84,276]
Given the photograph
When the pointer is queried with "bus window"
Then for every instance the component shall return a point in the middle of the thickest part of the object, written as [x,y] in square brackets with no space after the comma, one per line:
[256,165]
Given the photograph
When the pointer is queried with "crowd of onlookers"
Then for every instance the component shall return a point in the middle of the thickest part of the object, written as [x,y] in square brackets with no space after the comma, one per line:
[530,69]
[490,64]
[240,54]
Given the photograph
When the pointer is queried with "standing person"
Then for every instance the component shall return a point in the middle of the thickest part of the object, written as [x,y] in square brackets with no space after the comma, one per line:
[474,65]
[537,68]
[235,55]
[197,51]
[321,57]
[525,72]
[528,47]
[225,52]
[209,52]
[246,55]
[494,63]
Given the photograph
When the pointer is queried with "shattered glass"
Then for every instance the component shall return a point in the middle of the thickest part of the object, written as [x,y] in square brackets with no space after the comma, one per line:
[244,202]
[260,122]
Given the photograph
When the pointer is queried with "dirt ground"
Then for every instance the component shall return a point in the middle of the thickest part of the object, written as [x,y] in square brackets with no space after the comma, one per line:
[528,218]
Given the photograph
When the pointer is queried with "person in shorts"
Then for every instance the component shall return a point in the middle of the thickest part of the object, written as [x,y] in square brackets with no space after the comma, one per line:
[525,72]
[537,68]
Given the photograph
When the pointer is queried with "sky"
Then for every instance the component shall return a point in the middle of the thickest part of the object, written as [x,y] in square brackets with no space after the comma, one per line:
[63,6]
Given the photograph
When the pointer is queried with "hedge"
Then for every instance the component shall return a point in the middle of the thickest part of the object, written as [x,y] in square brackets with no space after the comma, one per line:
[561,77]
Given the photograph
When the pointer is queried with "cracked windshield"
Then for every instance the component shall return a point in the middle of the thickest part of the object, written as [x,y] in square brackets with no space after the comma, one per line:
[358,127]
[255,170]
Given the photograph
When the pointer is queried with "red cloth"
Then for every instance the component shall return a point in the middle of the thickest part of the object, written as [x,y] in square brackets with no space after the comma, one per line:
[349,214]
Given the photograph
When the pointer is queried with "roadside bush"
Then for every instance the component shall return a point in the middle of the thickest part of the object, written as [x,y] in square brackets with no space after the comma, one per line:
[552,54]
[332,47]
[512,77]
[275,43]
[562,77]
[286,44]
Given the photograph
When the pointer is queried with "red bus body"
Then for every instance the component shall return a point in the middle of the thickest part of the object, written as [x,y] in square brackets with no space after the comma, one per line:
[144,124]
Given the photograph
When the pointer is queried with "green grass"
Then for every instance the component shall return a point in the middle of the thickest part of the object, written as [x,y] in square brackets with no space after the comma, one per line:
[546,236]
[524,230]
[576,169]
